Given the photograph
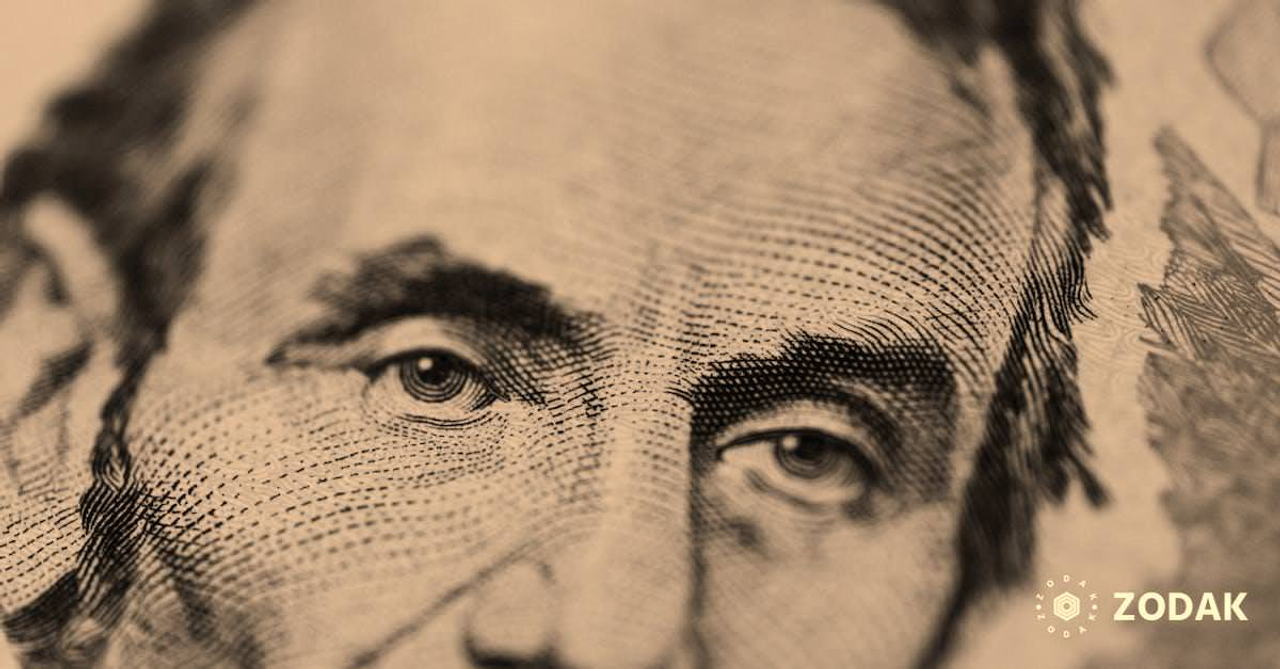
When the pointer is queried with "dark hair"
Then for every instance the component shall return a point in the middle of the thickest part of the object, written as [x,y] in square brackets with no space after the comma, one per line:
[102,142]
[1034,443]
[1034,440]
[102,145]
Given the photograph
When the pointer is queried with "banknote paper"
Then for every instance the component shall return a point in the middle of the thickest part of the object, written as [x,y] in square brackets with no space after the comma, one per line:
[640,333]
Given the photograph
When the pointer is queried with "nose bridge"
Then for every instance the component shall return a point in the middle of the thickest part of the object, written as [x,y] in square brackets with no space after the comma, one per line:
[627,592]
[644,433]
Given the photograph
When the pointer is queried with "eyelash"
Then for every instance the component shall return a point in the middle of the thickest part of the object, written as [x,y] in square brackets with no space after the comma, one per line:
[873,468]
[842,417]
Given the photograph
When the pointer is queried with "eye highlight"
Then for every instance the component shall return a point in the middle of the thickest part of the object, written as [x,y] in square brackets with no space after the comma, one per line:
[432,386]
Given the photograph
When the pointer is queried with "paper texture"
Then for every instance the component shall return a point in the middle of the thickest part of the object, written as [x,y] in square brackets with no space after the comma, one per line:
[640,334]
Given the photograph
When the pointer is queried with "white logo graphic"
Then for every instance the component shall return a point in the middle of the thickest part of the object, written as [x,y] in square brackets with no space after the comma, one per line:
[1152,606]
[1063,601]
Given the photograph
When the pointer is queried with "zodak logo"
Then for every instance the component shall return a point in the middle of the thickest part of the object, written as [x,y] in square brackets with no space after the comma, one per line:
[1152,606]
[1066,607]
[1061,606]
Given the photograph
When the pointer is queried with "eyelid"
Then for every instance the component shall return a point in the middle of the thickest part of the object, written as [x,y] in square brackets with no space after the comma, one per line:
[506,363]
[388,364]
[384,343]
[502,361]
[840,421]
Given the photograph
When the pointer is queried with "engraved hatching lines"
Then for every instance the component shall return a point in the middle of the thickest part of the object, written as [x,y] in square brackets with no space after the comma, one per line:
[1212,394]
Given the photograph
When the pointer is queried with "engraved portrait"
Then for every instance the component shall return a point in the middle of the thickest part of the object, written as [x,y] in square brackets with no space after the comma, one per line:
[566,334]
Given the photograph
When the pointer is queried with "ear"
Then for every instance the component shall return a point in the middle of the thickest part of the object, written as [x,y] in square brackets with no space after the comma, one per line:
[59,304]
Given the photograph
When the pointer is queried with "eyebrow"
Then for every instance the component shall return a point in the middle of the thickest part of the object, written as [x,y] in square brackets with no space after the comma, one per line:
[418,278]
[821,367]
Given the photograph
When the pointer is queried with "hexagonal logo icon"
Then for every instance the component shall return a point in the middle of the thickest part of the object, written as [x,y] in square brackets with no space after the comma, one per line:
[1066,606]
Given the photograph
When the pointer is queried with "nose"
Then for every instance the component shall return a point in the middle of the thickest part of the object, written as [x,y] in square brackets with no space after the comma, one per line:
[622,596]
[511,623]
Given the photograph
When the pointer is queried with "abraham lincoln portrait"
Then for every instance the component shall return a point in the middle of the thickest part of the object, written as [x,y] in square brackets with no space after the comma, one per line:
[566,334]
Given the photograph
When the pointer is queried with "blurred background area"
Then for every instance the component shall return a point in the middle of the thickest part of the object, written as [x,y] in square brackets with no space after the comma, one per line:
[44,44]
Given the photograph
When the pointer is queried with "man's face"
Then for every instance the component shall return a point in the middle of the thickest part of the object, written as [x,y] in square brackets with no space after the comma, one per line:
[608,334]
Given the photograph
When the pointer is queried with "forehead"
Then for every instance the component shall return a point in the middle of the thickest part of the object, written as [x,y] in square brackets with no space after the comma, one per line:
[779,166]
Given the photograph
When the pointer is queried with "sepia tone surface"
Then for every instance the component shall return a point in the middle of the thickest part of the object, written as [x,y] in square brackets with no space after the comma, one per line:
[724,334]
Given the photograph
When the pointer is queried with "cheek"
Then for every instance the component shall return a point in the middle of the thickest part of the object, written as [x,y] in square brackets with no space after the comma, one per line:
[284,501]
[839,593]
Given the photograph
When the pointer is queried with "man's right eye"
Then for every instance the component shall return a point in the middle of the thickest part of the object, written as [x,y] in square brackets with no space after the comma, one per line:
[432,386]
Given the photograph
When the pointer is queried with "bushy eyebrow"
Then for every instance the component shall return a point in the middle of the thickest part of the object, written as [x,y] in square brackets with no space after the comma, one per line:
[821,367]
[418,278]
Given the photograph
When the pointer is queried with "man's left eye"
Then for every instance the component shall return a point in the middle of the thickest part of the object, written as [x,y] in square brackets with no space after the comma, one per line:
[433,386]
[806,467]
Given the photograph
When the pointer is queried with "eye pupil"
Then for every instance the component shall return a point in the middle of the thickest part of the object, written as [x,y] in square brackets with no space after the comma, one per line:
[804,447]
[435,377]
[808,456]
[430,369]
